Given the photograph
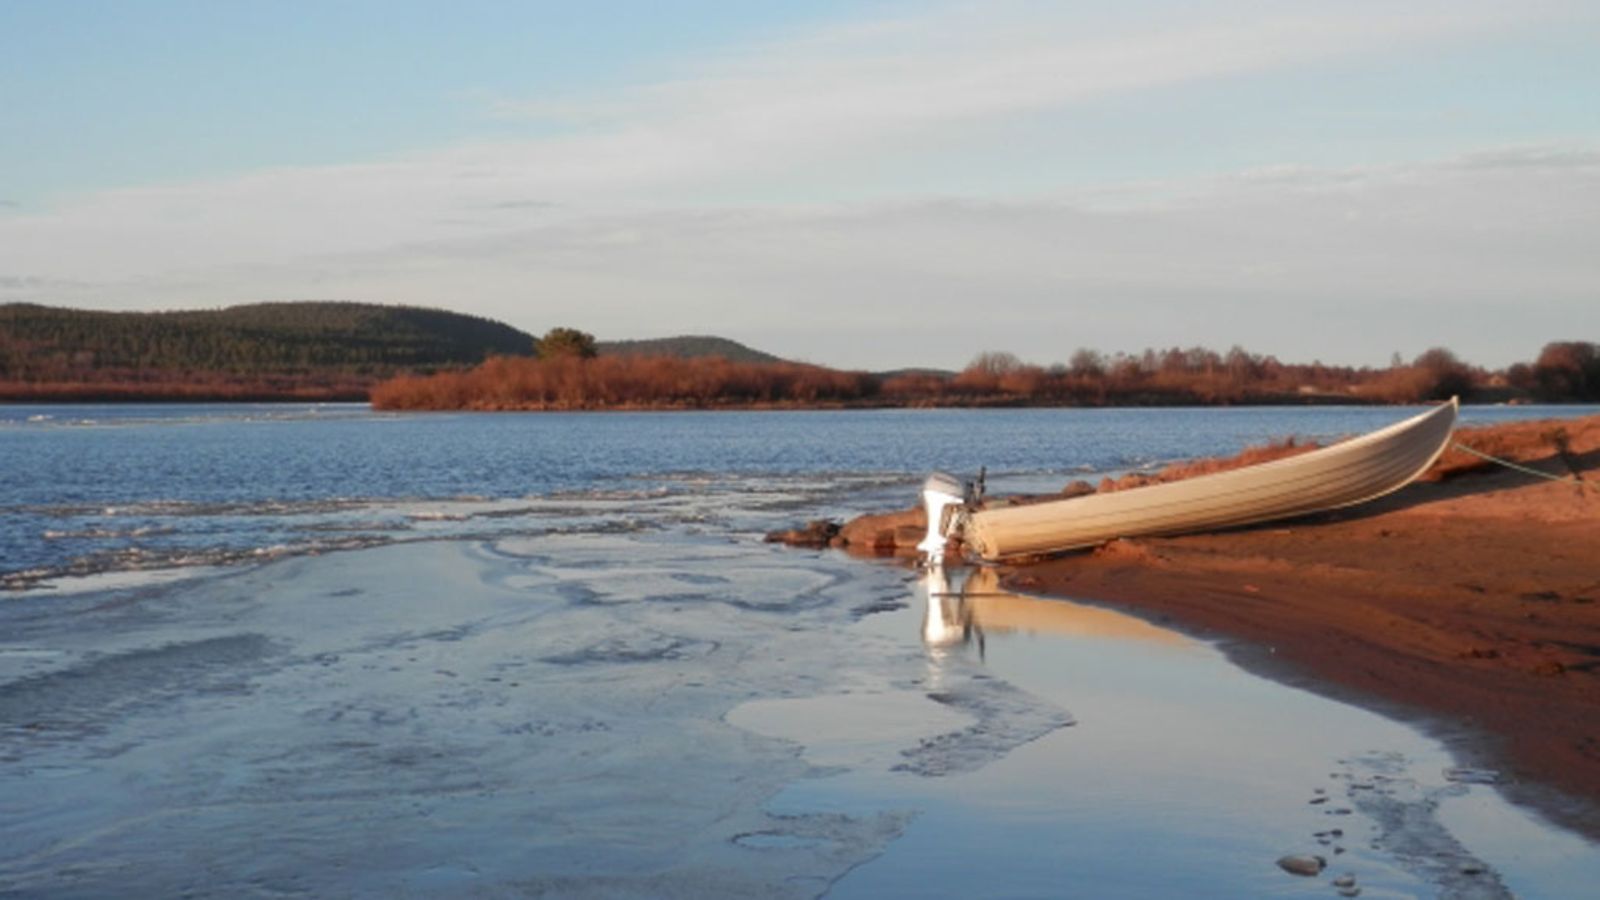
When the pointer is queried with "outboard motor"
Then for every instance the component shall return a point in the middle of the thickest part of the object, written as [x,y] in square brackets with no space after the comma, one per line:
[944,496]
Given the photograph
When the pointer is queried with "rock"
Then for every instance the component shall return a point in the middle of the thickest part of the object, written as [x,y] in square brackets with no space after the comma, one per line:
[1301,864]
[1344,881]
[1078,488]
[877,532]
[909,535]
[817,533]
[1130,551]
[1548,668]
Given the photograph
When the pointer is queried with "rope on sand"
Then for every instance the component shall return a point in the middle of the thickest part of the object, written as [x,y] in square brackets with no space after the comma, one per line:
[1568,479]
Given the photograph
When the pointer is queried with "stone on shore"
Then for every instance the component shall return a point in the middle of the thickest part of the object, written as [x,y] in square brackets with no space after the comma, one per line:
[1079,488]
[1302,864]
[884,532]
[817,533]
[878,533]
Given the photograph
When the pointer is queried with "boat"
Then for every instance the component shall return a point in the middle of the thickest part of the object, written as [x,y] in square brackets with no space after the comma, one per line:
[1344,474]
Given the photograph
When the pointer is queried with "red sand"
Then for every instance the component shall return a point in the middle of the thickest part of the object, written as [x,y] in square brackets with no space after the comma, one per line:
[1472,601]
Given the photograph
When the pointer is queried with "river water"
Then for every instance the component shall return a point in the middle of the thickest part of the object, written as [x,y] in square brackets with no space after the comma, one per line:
[317,650]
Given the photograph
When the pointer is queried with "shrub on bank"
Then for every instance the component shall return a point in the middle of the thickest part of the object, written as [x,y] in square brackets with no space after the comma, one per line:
[608,382]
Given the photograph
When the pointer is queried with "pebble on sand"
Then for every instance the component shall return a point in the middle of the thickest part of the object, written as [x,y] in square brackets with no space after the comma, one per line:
[1301,864]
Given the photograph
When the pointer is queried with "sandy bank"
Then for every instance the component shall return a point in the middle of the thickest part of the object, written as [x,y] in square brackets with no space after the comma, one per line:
[1474,598]
[1470,599]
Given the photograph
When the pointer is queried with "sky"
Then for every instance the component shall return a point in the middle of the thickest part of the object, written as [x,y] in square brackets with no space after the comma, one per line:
[859,184]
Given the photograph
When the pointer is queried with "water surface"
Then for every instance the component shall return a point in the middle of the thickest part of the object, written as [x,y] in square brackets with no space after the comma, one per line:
[90,489]
[553,656]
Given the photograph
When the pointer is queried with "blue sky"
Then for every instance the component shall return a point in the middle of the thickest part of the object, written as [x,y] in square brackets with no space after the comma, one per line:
[858,184]
[187,89]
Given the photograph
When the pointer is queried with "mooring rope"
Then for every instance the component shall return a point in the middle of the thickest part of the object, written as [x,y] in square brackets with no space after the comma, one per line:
[1572,479]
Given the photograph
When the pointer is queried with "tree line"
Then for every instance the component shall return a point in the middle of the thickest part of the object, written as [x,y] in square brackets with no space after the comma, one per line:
[47,344]
[573,382]
[407,357]
[569,374]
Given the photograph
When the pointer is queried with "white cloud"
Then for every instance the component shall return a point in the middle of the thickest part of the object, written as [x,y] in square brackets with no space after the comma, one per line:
[1489,254]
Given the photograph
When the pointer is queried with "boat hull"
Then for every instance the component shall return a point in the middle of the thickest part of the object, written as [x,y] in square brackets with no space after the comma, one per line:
[1351,472]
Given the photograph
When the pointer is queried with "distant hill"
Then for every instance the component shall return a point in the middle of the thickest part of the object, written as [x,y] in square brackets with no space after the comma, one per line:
[687,347]
[41,343]
[940,374]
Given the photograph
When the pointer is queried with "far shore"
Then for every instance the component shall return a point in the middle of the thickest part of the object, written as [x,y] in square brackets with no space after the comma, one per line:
[66,394]
[1468,602]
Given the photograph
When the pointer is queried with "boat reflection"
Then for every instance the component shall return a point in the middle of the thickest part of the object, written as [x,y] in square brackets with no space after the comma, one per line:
[965,605]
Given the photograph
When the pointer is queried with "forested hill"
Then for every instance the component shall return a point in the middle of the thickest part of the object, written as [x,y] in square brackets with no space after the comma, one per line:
[40,343]
[687,347]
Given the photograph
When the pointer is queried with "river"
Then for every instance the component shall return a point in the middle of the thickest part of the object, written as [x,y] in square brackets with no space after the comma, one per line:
[319,650]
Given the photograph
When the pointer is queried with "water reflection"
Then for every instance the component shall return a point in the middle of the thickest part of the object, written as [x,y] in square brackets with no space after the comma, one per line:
[946,621]
[965,604]
[1183,775]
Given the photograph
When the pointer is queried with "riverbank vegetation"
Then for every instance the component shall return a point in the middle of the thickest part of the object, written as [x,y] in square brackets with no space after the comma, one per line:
[626,382]
[1195,376]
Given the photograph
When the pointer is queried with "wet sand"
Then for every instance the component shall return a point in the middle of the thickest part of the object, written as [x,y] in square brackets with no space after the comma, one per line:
[1470,602]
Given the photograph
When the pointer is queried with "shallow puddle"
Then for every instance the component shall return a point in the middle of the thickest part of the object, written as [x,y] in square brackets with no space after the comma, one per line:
[1182,775]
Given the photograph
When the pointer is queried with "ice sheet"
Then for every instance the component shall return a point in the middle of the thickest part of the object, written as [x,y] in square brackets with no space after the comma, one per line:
[533,715]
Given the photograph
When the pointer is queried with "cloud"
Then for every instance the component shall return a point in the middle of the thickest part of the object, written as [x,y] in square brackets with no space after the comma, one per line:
[906,84]
[727,195]
[830,108]
[521,204]
[26,288]
[1487,253]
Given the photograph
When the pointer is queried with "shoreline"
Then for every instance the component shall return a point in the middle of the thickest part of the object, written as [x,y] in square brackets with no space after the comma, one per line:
[1469,606]
[116,394]
[1467,603]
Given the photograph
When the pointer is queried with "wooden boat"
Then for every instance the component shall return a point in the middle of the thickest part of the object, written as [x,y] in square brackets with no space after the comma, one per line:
[1347,473]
